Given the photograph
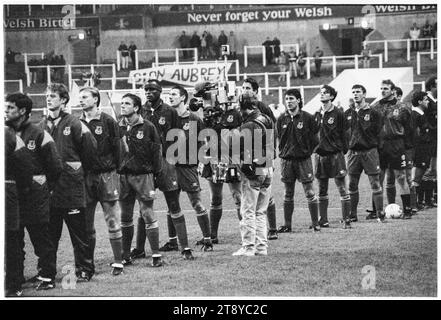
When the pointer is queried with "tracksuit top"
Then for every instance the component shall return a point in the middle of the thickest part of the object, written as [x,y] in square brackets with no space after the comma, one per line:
[140,148]
[363,128]
[106,132]
[422,127]
[395,118]
[297,135]
[77,148]
[186,122]
[163,117]
[332,133]
[432,118]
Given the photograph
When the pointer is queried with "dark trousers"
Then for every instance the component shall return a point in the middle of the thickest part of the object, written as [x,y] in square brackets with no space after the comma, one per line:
[13,263]
[43,248]
[318,64]
[414,45]
[76,224]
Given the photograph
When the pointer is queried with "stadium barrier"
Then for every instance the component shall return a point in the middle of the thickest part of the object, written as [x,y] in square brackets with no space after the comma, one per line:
[262,48]
[20,84]
[49,68]
[408,45]
[419,54]
[92,71]
[27,54]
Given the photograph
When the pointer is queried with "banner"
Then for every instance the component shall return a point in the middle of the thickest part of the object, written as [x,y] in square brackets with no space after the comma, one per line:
[186,75]
[282,13]
[21,24]
[121,23]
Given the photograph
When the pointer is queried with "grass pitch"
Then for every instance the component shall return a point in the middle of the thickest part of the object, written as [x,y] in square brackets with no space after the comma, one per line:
[299,264]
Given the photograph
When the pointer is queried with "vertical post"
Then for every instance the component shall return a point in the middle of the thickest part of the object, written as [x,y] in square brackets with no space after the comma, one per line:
[356,62]
[177,55]
[26,64]
[118,60]
[237,71]
[386,54]
[48,71]
[92,69]
[28,78]
[408,49]
[418,63]
[113,77]
[20,85]
[244,75]
[431,48]
[42,55]
[302,91]
[136,60]
[297,48]
[156,57]
[196,55]
[266,83]
[133,84]
[380,61]
[288,80]
[69,76]
[423,86]
[308,68]
[263,56]
[245,56]
[334,67]
[281,95]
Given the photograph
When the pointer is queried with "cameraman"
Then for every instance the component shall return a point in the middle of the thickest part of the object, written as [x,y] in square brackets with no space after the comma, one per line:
[256,178]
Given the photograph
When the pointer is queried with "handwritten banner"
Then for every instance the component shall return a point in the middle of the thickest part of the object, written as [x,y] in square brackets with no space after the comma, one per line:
[187,75]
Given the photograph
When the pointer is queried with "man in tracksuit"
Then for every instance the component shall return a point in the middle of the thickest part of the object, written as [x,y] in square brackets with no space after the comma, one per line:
[77,148]
[102,181]
[164,118]
[140,162]
[392,151]
[330,155]
[34,205]
[18,177]
[364,125]
[296,132]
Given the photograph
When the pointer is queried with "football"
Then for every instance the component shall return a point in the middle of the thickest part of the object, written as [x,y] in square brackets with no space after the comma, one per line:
[393,211]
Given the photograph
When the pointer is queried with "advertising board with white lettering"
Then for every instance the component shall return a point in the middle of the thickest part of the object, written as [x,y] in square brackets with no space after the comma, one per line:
[187,75]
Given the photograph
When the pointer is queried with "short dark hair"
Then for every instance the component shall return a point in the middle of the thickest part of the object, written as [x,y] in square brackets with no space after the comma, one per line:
[330,90]
[430,83]
[95,93]
[253,83]
[182,92]
[296,93]
[135,99]
[359,86]
[61,89]
[398,91]
[21,101]
[418,96]
[389,83]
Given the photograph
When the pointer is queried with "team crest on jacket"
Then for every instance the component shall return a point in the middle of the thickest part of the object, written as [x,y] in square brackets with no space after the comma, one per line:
[31,144]
[99,130]
[331,120]
[186,126]
[161,121]
[396,112]
[230,118]
[140,135]
[300,125]
[66,131]
[367,117]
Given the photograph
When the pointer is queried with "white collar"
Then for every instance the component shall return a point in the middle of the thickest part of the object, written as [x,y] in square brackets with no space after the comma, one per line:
[429,94]
[417,110]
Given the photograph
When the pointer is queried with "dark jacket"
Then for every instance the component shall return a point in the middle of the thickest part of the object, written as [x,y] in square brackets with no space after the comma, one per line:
[190,123]
[105,129]
[77,148]
[364,128]
[432,118]
[332,133]
[297,135]
[140,148]
[422,128]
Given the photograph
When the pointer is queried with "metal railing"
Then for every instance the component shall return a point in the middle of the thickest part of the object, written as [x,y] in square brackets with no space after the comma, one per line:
[20,84]
[262,48]
[419,54]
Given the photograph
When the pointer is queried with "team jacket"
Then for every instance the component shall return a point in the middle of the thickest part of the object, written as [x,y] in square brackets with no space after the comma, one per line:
[106,132]
[297,135]
[363,128]
[264,109]
[18,176]
[190,122]
[332,133]
[422,127]
[46,167]
[140,148]
[395,119]
[77,148]
[432,118]
[257,121]
[163,117]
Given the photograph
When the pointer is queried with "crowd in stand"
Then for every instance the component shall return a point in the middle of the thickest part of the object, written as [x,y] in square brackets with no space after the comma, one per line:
[427,31]
[40,74]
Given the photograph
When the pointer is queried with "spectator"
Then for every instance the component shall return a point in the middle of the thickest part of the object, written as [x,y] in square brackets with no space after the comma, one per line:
[427,33]
[195,41]
[292,59]
[124,52]
[268,50]
[301,61]
[222,40]
[204,53]
[62,70]
[276,44]
[132,52]
[214,47]
[317,60]
[366,56]
[10,56]
[32,63]
[282,63]
[414,35]
[209,40]
[184,42]
[233,43]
